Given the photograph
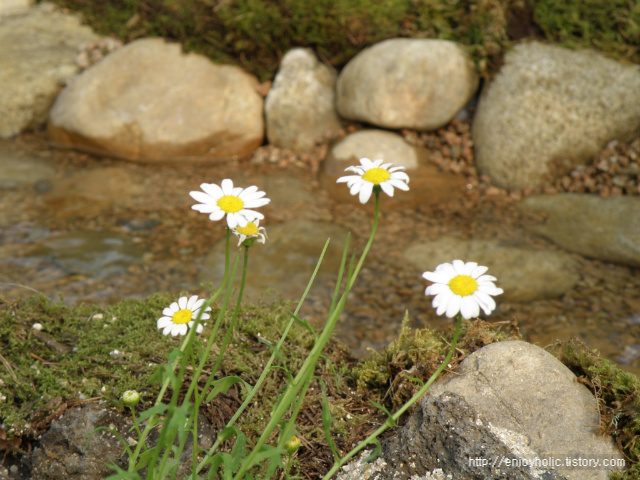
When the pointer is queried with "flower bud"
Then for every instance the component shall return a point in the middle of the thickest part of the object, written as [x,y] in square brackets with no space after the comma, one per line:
[292,445]
[131,398]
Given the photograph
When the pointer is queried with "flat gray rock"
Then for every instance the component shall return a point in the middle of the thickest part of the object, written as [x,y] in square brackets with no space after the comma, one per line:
[602,228]
[523,273]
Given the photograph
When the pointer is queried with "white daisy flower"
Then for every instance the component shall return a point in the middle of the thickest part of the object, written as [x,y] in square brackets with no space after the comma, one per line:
[374,174]
[461,288]
[180,316]
[252,230]
[234,202]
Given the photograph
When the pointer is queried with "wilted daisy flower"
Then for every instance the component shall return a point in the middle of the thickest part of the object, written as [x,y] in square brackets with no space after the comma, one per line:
[252,230]
[234,202]
[461,287]
[179,316]
[374,174]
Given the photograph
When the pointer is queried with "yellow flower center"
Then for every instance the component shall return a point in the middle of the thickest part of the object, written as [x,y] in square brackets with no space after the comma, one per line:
[230,204]
[463,285]
[376,175]
[182,316]
[249,230]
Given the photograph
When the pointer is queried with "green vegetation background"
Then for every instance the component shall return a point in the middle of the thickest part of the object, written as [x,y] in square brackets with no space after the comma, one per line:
[255,34]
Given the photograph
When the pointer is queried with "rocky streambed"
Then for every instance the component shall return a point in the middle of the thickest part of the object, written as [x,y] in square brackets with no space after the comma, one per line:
[98,230]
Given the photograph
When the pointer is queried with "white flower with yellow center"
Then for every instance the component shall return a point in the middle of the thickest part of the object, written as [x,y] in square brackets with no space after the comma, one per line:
[461,288]
[374,174]
[234,202]
[252,230]
[180,316]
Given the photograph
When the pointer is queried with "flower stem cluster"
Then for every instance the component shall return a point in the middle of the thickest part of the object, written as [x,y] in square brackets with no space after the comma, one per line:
[460,289]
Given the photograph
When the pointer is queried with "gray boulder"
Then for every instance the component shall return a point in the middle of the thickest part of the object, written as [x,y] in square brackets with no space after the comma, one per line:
[63,454]
[300,106]
[550,109]
[520,388]
[148,101]
[406,83]
[524,273]
[602,228]
[38,47]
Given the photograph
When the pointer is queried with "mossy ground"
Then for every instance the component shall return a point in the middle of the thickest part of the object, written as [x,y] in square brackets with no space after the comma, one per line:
[255,34]
[71,361]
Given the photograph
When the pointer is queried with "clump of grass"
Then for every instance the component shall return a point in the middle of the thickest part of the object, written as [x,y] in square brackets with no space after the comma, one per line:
[396,372]
[618,395]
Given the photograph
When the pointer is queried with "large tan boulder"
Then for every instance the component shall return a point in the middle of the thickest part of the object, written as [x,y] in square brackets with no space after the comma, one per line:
[407,83]
[550,109]
[38,47]
[149,101]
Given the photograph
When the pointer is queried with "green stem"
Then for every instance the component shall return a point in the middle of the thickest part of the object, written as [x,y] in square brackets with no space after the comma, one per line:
[231,325]
[299,385]
[267,367]
[188,339]
[402,409]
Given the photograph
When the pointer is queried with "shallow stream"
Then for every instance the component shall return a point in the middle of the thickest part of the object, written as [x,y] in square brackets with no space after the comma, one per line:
[98,230]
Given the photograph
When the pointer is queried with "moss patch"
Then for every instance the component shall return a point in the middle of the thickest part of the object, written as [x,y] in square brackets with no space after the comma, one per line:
[73,360]
[255,34]
[618,395]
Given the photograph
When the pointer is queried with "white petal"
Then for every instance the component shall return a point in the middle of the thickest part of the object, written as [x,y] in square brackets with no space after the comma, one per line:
[256,202]
[387,188]
[233,220]
[365,192]
[205,207]
[163,322]
[227,186]
[217,215]
[398,184]
[437,288]
[458,266]
[251,215]
[202,197]
[453,306]
[400,176]
[478,271]
[212,190]
[366,163]
[469,307]
[191,302]
[487,303]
